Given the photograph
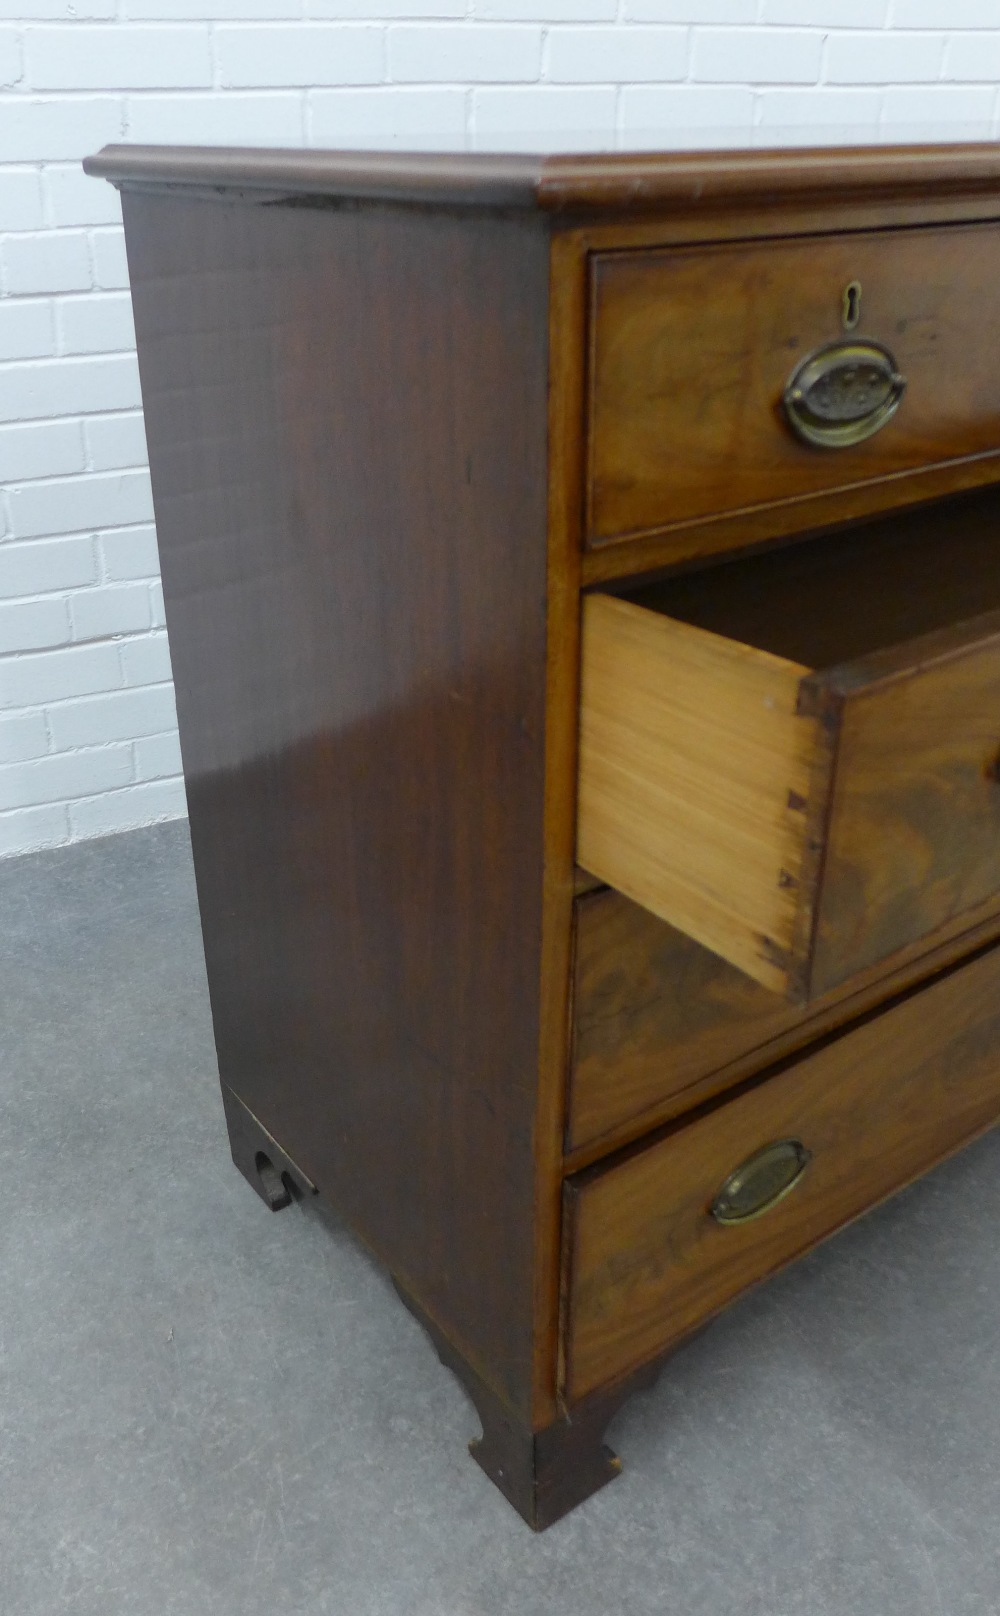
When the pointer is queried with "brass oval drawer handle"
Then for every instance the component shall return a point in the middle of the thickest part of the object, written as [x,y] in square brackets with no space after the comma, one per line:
[761,1181]
[842,394]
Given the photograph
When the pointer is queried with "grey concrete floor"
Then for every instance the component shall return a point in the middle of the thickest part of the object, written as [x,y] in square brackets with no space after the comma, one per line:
[208,1410]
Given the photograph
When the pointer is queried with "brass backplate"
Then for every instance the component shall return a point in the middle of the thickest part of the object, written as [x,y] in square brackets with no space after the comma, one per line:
[842,394]
[760,1182]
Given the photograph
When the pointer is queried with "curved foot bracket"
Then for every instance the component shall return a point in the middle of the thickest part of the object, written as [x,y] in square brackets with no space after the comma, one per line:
[546,1473]
[267,1168]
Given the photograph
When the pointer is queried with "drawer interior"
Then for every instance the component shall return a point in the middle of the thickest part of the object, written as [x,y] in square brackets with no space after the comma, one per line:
[793,757]
[846,594]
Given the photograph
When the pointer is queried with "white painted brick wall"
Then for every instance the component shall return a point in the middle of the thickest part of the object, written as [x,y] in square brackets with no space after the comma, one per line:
[88,743]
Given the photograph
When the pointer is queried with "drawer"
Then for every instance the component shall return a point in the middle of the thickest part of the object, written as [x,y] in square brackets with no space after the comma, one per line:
[793,758]
[654,1013]
[647,1258]
[660,1024]
[692,353]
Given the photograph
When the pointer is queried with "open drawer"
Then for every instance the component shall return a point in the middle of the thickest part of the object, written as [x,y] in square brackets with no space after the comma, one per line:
[793,757]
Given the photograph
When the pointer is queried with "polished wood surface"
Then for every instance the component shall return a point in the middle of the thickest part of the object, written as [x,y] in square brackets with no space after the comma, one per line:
[545,1472]
[875,1107]
[769,527]
[913,837]
[567,318]
[572,183]
[802,826]
[692,349]
[653,1012]
[349,474]
[660,1024]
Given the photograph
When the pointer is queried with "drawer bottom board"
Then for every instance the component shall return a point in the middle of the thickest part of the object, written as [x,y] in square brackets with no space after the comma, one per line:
[645,1259]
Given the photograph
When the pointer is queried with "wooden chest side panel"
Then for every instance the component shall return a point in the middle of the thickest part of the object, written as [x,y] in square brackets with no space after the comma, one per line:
[875,1107]
[349,474]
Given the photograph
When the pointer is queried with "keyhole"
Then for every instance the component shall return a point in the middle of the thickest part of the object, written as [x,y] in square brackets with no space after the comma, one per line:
[852,305]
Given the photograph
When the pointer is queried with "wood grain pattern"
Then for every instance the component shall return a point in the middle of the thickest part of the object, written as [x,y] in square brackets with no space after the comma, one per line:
[802,826]
[349,473]
[876,1107]
[661,1024]
[653,1012]
[690,749]
[692,349]
[914,831]
[773,527]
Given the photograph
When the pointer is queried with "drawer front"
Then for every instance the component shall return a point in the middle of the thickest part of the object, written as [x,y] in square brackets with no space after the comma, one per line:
[653,1012]
[912,837]
[660,1024]
[692,349]
[646,1259]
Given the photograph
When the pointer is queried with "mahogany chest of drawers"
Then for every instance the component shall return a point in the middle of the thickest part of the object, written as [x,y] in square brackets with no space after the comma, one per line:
[584,602]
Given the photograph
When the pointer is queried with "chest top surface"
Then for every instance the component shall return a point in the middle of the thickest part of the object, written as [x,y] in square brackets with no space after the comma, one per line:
[660,171]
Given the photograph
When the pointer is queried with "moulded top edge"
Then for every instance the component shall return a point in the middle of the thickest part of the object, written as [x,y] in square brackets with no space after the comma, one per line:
[626,181]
